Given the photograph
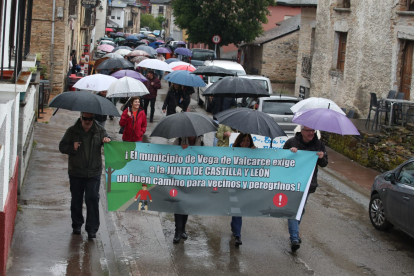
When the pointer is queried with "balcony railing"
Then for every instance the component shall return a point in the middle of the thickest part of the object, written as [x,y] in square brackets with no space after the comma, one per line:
[306,66]
[73,7]
[90,17]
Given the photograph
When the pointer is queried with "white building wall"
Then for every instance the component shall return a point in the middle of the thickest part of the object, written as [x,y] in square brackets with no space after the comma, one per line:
[100,20]
[6,40]
[8,140]
[118,13]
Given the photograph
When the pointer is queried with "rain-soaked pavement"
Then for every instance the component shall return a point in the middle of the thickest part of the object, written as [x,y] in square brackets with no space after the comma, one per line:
[338,238]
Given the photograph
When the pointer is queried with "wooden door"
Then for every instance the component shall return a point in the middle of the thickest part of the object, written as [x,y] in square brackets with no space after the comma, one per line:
[407,69]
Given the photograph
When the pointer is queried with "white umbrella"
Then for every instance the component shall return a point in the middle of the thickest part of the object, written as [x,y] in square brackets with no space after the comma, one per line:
[113,55]
[313,102]
[127,87]
[177,63]
[97,82]
[123,52]
[155,64]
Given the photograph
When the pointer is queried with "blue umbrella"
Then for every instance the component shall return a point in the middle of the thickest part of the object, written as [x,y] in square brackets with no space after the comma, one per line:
[141,35]
[132,37]
[185,78]
[155,45]
[172,60]
[183,51]
[181,43]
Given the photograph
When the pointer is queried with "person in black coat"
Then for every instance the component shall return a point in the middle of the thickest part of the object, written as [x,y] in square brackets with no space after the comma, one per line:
[173,99]
[187,92]
[220,104]
[306,139]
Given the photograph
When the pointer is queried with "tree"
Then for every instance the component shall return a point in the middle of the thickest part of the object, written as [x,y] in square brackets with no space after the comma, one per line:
[160,19]
[115,159]
[147,20]
[235,21]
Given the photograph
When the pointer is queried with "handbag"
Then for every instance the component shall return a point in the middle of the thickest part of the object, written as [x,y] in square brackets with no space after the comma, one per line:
[178,108]
[121,130]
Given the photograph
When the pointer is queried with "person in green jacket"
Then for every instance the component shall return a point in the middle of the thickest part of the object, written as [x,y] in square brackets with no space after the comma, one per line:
[83,143]
[223,134]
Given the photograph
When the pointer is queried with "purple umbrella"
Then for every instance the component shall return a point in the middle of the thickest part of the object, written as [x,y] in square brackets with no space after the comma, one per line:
[326,120]
[163,50]
[183,51]
[181,43]
[129,73]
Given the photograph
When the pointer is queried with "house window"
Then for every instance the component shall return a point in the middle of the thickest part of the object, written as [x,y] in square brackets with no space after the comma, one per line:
[161,10]
[410,5]
[346,4]
[407,67]
[112,17]
[119,18]
[150,9]
[341,51]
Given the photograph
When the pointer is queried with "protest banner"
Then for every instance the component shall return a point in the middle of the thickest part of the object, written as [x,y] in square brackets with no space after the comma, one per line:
[207,180]
[262,142]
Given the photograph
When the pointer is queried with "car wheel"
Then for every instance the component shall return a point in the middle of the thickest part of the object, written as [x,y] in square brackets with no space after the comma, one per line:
[377,214]
[200,102]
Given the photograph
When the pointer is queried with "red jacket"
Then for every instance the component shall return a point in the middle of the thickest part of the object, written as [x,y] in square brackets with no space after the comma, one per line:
[143,194]
[140,125]
[153,89]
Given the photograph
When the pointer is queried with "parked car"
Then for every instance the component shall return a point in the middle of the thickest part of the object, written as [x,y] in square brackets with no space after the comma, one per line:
[262,80]
[230,65]
[201,55]
[156,32]
[277,107]
[99,53]
[392,199]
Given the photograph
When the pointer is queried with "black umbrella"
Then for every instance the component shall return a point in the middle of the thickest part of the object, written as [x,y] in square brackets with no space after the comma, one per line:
[250,121]
[115,63]
[184,124]
[121,47]
[234,87]
[212,71]
[84,101]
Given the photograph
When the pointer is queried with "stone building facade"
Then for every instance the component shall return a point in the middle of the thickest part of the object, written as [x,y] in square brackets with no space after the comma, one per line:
[305,50]
[275,53]
[362,47]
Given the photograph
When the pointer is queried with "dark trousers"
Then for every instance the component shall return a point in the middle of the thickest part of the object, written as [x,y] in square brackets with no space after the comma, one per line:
[236,225]
[186,103]
[146,102]
[180,221]
[88,187]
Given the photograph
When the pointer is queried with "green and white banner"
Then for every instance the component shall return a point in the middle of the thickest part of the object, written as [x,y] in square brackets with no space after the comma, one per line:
[207,180]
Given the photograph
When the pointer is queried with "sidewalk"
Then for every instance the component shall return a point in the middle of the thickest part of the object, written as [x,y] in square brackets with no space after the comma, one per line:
[43,243]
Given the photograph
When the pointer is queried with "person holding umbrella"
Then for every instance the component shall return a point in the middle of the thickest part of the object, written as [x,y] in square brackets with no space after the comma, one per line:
[180,219]
[306,139]
[242,141]
[173,99]
[153,84]
[101,119]
[83,142]
[186,99]
[134,122]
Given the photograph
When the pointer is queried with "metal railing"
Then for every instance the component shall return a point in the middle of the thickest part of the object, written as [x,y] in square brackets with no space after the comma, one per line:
[306,65]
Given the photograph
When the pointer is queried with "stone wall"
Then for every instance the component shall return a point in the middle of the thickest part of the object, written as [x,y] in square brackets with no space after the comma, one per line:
[41,39]
[280,57]
[381,151]
[308,21]
[375,32]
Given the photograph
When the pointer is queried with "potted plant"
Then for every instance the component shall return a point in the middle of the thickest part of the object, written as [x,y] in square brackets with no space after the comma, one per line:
[33,70]
[38,58]
[43,72]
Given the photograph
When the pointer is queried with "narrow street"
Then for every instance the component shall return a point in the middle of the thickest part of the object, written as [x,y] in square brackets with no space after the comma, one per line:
[338,238]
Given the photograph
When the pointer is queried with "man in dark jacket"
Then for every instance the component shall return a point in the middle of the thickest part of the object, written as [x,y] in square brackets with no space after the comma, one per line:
[153,84]
[306,139]
[83,142]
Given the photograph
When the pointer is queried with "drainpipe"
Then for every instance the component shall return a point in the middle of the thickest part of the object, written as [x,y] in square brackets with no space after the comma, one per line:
[52,46]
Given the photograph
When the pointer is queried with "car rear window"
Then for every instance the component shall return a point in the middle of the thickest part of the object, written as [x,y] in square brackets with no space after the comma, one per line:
[263,83]
[198,55]
[278,107]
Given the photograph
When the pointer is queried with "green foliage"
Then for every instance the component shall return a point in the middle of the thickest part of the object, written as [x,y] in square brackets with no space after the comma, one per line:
[117,160]
[234,20]
[38,56]
[147,20]
[32,69]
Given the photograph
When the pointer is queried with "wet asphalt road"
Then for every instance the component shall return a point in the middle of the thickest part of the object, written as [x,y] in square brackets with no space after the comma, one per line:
[338,238]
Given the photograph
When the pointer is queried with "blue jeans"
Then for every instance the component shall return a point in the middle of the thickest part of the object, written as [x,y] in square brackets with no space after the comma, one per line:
[236,224]
[293,225]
